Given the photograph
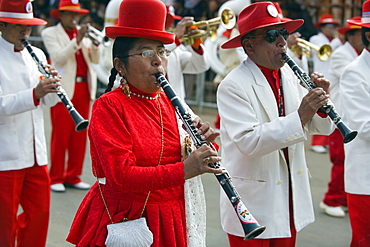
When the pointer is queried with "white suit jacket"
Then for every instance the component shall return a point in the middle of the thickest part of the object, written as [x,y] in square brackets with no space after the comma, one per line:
[252,136]
[184,60]
[62,54]
[319,40]
[340,58]
[21,122]
[355,97]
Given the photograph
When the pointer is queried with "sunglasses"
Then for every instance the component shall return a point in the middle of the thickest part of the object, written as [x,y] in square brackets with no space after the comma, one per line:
[272,35]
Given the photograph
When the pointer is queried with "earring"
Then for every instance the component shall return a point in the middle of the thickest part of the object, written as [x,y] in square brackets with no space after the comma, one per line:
[125,87]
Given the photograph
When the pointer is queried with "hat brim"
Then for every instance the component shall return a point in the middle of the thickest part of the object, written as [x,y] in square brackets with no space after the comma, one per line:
[318,24]
[344,30]
[55,12]
[33,21]
[358,23]
[117,31]
[289,25]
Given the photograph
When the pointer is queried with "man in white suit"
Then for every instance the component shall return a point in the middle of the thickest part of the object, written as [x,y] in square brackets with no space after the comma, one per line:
[72,54]
[265,118]
[334,202]
[354,91]
[24,178]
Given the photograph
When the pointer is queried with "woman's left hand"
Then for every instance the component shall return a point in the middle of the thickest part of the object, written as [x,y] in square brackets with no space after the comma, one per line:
[204,129]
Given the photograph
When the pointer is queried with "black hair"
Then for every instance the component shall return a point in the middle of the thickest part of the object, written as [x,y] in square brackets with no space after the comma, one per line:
[364,39]
[121,47]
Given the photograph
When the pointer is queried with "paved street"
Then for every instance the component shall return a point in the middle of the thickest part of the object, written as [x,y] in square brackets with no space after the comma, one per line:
[326,231]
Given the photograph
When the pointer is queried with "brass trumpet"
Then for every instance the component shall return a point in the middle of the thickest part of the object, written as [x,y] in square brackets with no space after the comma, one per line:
[304,47]
[227,19]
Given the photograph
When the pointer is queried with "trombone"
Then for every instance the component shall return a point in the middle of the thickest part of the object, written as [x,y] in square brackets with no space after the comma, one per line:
[227,19]
[304,47]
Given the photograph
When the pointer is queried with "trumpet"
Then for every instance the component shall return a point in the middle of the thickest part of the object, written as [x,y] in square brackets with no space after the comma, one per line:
[304,47]
[226,19]
[97,36]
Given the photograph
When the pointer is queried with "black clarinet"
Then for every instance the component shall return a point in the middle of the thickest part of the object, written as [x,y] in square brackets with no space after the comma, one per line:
[79,121]
[250,225]
[328,108]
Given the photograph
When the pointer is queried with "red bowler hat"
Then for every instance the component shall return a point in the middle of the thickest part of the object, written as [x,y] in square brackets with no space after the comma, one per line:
[141,19]
[326,19]
[171,17]
[68,5]
[349,26]
[18,12]
[258,15]
[365,20]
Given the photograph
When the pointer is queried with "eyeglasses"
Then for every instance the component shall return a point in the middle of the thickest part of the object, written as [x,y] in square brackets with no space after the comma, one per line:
[150,53]
[273,35]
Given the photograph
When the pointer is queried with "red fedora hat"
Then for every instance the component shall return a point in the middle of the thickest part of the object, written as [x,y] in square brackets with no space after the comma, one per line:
[326,19]
[141,19]
[68,5]
[349,26]
[18,12]
[258,15]
[365,20]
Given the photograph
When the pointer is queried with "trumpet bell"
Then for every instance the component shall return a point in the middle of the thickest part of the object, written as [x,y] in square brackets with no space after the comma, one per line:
[303,47]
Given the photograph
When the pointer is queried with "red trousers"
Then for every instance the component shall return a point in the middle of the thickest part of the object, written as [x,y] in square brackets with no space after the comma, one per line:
[29,188]
[319,140]
[65,141]
[359,217]
[336,196]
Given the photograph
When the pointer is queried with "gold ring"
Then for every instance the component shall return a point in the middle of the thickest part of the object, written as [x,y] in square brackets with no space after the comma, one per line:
[206,160]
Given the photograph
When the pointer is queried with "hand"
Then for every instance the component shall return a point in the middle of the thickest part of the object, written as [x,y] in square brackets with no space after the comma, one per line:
[311,103]
[197,162]
[82,31]
[48,85]
[207,133]
[319,80]
[292,39]
[182,26]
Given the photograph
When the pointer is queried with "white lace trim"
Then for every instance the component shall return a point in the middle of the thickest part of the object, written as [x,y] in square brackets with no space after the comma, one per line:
[195,205]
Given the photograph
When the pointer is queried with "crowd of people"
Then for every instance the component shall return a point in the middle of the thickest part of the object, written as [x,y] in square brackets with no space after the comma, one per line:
[265,116]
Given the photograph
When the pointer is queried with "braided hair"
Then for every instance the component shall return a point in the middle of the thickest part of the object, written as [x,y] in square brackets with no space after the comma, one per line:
[121,47]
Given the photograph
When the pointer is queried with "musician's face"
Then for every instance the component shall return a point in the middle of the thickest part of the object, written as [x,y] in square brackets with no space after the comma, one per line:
[69,19]
[263,52]
[14,33]
[140,71]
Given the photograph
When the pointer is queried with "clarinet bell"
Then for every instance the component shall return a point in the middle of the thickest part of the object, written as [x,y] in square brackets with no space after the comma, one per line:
[79,121]
[252,230]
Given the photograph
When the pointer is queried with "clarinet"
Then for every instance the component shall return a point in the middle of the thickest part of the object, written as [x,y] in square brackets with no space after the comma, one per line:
[79,121]
[250,225]
[328,108]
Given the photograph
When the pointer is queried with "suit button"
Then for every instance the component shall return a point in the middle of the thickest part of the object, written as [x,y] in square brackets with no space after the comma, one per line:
[279,182]
[288,138]
[300,171]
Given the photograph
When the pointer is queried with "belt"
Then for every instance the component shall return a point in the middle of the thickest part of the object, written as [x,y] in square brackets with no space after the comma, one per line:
[80,79]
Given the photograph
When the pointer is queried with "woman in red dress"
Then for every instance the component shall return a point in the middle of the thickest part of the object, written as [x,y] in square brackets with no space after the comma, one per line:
[136,142]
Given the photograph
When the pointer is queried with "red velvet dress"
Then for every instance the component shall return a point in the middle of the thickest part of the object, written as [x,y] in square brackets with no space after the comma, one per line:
[125,145]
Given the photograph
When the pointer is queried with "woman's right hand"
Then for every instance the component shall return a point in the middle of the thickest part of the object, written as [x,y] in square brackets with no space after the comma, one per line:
[197,162]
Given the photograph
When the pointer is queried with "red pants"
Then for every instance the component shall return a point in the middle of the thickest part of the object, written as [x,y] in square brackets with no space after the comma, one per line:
[29,188]
[359,217]
[319,140]
[65,141]
[336,196]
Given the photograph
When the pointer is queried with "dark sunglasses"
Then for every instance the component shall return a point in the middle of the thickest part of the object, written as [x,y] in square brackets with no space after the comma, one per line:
[273,35]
